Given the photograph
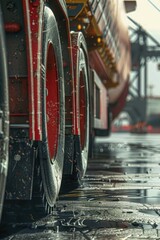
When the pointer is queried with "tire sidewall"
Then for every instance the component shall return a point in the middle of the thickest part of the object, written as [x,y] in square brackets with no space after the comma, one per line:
[82,62]
[52,172]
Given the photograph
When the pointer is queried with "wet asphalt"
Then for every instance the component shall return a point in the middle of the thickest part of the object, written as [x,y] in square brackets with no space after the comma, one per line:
[119,197]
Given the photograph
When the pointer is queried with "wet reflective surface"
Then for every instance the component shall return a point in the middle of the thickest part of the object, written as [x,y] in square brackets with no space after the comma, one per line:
[119,197]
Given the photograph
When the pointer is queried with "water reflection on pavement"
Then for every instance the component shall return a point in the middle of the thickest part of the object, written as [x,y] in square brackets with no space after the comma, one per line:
[119,197]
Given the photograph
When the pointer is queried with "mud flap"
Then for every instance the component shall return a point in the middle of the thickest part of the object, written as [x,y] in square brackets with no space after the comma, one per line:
[21,167]
[72,169]
[68,154]
[72,154]
[77,164]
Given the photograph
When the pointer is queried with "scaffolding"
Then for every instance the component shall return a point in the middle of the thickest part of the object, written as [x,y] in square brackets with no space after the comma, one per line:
[143,48]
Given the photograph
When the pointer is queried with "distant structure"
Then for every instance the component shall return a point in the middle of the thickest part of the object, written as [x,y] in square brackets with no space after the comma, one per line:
[144,47]
[153,105]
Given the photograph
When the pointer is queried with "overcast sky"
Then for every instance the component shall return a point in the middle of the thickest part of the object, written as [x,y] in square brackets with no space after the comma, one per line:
[149,17]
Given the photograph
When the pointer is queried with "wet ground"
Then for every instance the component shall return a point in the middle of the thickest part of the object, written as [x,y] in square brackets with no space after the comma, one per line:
[119,197]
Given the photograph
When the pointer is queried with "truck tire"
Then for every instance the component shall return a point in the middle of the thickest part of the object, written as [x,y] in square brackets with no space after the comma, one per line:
[80,139]
[51,148]
[4,115]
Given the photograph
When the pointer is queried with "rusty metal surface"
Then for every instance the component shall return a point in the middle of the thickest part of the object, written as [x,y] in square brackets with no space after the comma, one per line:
[119,197]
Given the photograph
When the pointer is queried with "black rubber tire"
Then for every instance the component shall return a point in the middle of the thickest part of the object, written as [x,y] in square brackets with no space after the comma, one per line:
[51,169]
[4,115]
[82,161]
[73,178]
[81,148]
